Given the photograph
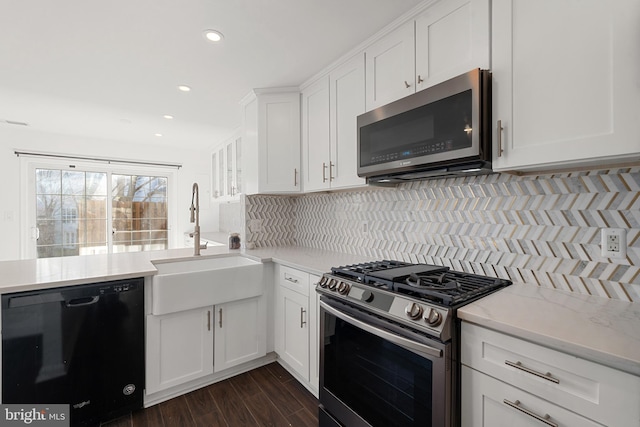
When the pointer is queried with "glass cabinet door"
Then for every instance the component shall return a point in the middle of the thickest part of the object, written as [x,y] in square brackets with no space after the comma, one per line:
[238,165]
[215,183]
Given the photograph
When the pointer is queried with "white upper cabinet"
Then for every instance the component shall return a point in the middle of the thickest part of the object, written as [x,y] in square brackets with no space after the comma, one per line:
[347,102]
[226,169]
[316,152]
[452,38]
[449,38]
[330,107]
[271,141]
[565,83]
[390,67]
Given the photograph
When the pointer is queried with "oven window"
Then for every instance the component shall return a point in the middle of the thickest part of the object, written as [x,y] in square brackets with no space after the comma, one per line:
[385,384]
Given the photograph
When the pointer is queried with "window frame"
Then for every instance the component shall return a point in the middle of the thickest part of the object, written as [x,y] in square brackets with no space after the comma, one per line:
[28,166]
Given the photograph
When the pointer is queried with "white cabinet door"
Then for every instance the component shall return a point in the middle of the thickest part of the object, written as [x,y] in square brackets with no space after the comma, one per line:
[271,142]
[452,38]
[179,348]
[240,332]
[330,108]
[390,67]
[226,169]
[292,330]
[315,136]
[487,402]
[565,82]
[347,102]
[314,333]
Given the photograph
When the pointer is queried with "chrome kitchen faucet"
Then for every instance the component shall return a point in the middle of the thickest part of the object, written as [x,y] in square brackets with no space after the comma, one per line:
[195,217]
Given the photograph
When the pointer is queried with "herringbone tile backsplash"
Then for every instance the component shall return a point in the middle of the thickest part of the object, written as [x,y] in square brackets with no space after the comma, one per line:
[539,230]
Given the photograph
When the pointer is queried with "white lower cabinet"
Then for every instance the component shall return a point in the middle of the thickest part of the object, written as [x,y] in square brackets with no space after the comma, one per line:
[314,333]
[296,324]
[487,402]
[292,315]
[240,332]
[507,381]
[179,348]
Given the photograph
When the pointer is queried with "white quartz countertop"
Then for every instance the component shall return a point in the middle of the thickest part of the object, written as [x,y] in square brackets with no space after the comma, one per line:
[31,274]
[594,328]
[315,261]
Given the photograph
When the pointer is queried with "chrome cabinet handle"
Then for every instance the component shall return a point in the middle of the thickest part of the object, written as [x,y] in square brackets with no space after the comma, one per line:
[220,318]
[416,347]
[208,320]
[295,177]
[302,312]
[331,165]
[420,79]
[500,129]
[324,172]
[406,84]
[291,279]
[519,365]
[543,419]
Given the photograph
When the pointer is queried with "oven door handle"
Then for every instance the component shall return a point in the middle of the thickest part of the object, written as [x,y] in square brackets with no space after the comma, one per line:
[416,347]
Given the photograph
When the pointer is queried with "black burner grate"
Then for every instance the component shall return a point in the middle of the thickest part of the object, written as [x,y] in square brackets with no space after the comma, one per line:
[450,288]
[358,272]
[430,282]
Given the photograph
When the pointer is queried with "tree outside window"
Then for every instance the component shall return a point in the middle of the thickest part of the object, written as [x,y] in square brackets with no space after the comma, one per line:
[73,209]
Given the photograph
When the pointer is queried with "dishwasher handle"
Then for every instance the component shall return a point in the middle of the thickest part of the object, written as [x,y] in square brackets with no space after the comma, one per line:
[81,302]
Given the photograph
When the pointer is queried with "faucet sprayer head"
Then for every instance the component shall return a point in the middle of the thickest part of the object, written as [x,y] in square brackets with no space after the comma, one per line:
[193,208]
[193,213]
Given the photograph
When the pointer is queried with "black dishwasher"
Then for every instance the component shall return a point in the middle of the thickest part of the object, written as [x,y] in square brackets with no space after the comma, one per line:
[79,345]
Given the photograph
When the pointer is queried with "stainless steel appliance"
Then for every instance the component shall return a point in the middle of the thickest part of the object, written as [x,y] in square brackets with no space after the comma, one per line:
[78,345]
[389,343]
[442,130]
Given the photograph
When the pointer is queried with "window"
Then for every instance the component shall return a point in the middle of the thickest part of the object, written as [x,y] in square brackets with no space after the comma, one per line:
[92,211]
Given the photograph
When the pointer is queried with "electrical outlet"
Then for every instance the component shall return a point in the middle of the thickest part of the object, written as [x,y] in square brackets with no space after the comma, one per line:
[613,242]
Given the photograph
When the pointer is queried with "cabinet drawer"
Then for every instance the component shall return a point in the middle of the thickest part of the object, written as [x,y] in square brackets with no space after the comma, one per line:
[487,402]
[296,280]
[598,392]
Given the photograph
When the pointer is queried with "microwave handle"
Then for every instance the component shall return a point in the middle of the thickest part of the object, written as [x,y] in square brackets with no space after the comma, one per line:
[421,349]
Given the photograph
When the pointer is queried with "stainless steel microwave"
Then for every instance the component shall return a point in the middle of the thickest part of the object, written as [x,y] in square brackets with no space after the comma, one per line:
[442,130]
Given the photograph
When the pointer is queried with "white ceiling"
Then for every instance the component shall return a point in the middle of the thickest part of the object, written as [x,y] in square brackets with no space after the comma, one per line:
[110,69]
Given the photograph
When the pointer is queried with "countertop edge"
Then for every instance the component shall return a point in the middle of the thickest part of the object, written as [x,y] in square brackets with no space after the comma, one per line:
[592,328]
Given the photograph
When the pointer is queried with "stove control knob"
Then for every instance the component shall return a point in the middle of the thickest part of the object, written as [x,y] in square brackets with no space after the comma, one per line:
[323,282]
[333,283]
[432,317]
[343,288]
[413,310]
[367,296]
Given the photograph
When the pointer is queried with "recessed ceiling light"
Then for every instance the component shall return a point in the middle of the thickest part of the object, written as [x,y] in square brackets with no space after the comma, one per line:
[168,116]
[157,134]
[184,88]
[212,35]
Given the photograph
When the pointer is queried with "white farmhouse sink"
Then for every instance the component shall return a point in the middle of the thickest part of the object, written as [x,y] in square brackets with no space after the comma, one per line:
[199,282]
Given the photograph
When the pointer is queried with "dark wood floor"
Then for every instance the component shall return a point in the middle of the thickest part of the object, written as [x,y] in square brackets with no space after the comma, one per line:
[267,396]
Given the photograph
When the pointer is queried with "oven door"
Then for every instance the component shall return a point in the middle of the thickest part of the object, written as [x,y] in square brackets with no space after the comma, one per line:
[376,373]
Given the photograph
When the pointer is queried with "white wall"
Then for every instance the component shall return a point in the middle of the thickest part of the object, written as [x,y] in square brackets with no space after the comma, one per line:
[196,168]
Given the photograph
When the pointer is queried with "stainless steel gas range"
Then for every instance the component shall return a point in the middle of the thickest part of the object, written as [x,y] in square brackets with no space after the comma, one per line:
[389,343]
